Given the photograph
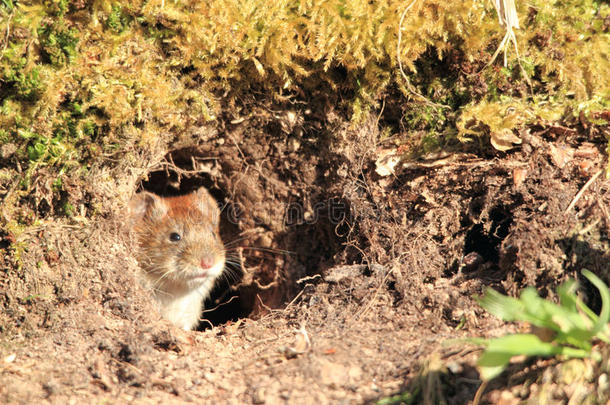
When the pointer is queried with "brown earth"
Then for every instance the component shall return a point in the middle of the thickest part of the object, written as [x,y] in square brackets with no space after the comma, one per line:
[350,283]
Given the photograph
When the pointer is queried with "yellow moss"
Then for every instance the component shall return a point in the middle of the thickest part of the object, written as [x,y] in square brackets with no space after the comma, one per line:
[498,119]
[158,66]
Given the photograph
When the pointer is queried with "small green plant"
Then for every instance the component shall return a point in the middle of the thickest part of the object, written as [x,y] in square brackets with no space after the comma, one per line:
[58,44]
[567,329]
[406,398]
[21,83]
[117,20]
[51,150]
[68,209]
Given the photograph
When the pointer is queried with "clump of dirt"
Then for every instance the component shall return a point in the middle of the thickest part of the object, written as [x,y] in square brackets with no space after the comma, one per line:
[344,285]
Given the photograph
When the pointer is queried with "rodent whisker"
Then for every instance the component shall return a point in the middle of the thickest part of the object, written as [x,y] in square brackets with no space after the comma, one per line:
[159,291]
[234,242]
[161,279]
[235,267]
[231,246]
[230,275]
[270,250]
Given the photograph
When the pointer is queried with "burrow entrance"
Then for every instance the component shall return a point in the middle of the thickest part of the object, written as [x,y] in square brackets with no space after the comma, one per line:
[272,239]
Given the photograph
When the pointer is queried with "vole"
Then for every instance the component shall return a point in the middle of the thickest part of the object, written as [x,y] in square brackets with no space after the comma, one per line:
[179,250]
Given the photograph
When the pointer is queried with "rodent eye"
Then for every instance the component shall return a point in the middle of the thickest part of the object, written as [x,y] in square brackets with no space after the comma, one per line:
[174,237]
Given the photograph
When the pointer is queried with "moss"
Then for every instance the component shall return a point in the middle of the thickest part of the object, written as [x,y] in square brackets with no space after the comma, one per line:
[83,84]
[117,20]
[58,44]
[68,209]
[18,80]
[57,8]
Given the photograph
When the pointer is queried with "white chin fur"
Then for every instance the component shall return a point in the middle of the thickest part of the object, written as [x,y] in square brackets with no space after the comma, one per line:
[216,269]
[183,306]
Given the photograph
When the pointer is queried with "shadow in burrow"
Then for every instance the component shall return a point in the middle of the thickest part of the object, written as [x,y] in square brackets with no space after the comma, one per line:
[264,271]
[580,255]
[486,255]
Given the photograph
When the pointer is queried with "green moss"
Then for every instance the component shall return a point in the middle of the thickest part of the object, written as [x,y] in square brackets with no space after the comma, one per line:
[8,5]
[425,117]
[58,44]
[5,136]
[68,209]
[57,8]
[26,85]
[17,80]
[117,20]
[84,83]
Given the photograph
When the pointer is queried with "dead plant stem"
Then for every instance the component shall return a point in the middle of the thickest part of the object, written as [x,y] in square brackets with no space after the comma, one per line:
[582,190]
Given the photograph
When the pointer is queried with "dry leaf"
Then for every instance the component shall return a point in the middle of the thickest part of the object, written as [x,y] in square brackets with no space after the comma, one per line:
[587,150]
[386,162]
[519,176]
[504,140]
[232,327]
[561,155]
[301,343]
[585,167]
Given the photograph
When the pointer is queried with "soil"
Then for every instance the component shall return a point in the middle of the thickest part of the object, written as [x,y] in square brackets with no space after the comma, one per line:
[347,285]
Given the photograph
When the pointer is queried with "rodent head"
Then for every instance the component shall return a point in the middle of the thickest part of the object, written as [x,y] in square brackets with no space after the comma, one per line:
[178,238]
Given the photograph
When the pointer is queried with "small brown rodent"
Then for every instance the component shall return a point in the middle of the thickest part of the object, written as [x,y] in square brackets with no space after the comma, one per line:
[179,250]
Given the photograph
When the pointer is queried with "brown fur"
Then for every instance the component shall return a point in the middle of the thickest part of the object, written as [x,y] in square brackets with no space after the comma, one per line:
[174,267]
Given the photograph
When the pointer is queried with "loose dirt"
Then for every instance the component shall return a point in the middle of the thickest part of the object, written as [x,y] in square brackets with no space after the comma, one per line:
[346,286]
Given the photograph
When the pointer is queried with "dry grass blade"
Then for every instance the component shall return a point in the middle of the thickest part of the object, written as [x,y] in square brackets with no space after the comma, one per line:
[507,17]
[582,190]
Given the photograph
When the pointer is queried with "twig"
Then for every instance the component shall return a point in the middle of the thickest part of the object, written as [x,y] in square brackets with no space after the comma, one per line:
[266,286]
[124,363]
[237,146]
[262,303]
[479,394]
[208,322]
[369,304]
[582,190]
[294,299]
[308,278]
[219,305]
[590,226]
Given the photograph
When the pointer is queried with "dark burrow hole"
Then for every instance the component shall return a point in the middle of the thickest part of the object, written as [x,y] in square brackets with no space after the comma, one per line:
[582,255]
[224,303]
[5,240]
[486,242]
[311,244]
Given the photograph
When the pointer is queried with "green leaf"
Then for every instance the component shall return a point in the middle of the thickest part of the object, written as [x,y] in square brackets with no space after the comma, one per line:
[491,365]
[500,350]
[8,4]
[575,324]
[502,306]
[522,344]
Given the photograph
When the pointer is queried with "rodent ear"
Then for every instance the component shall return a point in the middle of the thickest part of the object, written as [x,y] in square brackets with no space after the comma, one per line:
[205,202]
[146,204]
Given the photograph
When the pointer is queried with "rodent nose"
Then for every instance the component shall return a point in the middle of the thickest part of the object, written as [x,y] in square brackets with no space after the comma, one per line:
[206,262]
